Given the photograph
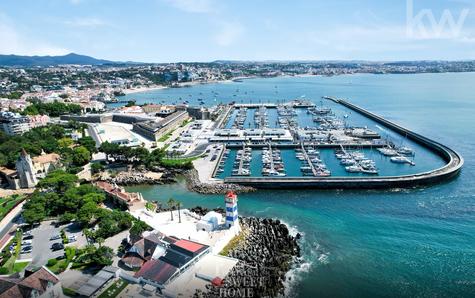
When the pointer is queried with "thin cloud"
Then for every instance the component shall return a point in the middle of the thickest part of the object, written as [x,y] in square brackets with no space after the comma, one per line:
[12,42]
[229,34]
[193,6]
[85,22]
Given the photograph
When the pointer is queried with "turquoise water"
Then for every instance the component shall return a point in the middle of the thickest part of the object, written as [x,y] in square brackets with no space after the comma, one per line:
[424,162]
[395,243]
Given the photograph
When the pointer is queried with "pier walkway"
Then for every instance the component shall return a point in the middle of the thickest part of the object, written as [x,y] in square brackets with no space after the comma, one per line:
[454,163]
[307,158]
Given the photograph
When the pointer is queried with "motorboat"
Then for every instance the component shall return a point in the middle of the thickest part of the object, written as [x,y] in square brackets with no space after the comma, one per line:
[387,151]
[347,162]
[353,169]
[402,160]
[405,151]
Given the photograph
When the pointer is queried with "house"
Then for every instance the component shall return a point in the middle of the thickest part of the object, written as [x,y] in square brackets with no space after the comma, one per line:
[29,170]
[178,257]
[9,177]
[45,163]
[141,251]
[41,283]
[130,200]
[209,222]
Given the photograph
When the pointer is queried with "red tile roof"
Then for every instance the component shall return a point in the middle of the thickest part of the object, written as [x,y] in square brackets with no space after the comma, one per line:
[39,280]
[118,192]
[189,245]
[157,271]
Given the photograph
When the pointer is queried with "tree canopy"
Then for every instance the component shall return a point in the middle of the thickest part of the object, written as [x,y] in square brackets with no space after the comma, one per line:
[53,109]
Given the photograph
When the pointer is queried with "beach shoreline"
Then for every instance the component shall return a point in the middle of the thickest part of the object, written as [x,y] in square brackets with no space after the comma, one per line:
[179,85]
[143,89]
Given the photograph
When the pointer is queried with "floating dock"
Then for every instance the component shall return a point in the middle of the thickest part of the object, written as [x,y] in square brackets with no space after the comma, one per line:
[454,163]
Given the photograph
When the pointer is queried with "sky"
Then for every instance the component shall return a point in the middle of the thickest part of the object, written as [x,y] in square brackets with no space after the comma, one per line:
[208,30]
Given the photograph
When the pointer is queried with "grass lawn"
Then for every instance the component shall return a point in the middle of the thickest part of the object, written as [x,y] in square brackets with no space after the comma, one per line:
[9,267]
[6,204]
[19,266]
[171,162]
[233,243]
[166,136]
[114,289]
[69,292]
[59,267]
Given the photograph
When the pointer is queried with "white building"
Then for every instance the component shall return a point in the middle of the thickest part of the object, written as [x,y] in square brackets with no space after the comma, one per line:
[14,124]
[26,171]
[209,222]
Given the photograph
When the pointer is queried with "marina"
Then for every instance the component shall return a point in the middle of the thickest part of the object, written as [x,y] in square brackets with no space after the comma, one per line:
[324,146]
[355,162]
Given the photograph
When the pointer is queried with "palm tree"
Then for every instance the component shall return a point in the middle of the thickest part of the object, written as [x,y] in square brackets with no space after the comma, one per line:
[178,205]
[88,234]
[171,205]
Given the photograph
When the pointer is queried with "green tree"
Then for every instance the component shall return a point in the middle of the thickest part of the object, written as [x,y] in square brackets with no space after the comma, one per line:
[65,143]
[171,205]
[178,205]
[130,103]
[96,167]
[89,143]
[59,181]
[34,212]
[86,213]
[138,228]
[81,156]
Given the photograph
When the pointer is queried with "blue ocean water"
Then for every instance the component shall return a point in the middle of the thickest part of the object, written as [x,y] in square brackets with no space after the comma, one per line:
[417,242]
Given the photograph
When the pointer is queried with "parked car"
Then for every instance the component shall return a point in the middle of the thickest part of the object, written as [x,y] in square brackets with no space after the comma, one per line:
[72,238]
[27,237]
[26,249]
[26,242]
[55,237]
[27,233]
[57,246]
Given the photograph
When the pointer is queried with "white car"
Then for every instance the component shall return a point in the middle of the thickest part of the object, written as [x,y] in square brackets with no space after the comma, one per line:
[72,238]
[26,242]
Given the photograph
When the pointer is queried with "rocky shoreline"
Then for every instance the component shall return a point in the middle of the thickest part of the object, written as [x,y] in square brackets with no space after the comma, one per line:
[266,252]
[168,175]
[193,183]
[136,177]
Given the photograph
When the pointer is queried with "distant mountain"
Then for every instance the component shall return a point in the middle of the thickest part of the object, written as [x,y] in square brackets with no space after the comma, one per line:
[26,61]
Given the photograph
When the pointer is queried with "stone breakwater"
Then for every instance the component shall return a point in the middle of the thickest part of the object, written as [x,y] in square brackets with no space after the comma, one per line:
[137,177]
[193,183]
[266,252]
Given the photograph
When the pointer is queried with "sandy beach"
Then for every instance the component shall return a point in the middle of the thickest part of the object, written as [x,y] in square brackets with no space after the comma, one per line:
[183,84]
[143,89]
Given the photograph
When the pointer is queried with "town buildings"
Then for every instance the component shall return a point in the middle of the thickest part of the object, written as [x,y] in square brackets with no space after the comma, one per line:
[30,170]
[16,124]
[129,200]
[156,130]
[39,284]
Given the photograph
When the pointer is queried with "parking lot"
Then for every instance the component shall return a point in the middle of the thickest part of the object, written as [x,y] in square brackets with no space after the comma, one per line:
[41,243]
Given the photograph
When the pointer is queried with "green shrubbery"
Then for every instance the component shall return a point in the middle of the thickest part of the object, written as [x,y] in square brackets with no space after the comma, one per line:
[52,262]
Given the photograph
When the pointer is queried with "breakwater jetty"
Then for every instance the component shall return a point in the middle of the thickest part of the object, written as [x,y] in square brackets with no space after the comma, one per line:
[454,163]
[266,252]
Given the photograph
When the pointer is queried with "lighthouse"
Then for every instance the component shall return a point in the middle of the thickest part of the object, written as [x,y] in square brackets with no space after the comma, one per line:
[231,210]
